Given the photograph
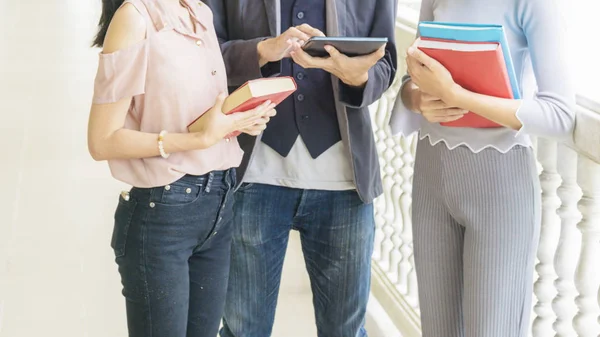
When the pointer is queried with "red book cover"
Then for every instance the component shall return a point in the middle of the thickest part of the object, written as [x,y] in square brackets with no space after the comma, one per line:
[477,67]
[254,93]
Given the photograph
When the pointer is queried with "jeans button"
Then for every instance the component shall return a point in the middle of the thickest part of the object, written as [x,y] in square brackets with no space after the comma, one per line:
[168,187]
[188,190]
[152,205]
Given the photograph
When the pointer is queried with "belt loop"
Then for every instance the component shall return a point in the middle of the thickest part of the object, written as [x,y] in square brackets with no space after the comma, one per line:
[230,178]
[209,182]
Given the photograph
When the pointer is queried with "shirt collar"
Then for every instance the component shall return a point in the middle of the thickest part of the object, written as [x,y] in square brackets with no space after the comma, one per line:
[163,20]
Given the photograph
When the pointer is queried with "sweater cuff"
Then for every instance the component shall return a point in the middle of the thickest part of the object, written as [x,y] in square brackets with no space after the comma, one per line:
[403,121]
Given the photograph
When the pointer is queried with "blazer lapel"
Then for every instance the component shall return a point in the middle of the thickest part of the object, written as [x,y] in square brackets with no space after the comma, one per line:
[273,8]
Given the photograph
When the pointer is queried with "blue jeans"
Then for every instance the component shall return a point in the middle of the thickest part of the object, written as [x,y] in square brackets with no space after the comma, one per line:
[172,245]
[336,230]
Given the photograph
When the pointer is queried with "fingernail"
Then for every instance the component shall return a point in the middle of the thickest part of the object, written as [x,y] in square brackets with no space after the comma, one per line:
[411,50]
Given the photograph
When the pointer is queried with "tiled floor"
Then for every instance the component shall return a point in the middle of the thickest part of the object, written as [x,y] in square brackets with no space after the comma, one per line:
[57,276]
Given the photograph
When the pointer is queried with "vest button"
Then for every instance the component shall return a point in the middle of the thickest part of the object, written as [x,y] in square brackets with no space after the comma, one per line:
[300,15]
[300,76]
[301,97]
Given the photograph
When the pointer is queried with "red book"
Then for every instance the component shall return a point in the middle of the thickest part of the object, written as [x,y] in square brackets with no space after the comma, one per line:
[254,93]
[477,67]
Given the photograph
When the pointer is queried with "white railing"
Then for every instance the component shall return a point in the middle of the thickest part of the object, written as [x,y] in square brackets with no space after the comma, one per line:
[567,285]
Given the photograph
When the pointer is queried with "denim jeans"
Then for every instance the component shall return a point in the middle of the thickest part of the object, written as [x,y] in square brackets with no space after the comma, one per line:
[337,231]
[172,246]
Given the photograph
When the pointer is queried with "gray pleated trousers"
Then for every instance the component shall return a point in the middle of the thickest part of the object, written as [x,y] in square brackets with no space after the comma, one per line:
[476,223]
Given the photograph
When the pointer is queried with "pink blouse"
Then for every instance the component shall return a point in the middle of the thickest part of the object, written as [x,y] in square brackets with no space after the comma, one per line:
[174,75]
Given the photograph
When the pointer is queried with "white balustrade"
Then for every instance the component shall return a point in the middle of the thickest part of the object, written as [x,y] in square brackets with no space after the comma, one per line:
[587,276]
[544,288]
[567,284]
[568,246]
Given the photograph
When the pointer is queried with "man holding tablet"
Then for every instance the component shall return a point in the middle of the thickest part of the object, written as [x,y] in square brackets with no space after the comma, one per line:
[315,169]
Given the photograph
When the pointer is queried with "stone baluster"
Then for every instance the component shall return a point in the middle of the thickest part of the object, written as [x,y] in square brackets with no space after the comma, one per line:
[567,253]
[544,287]
[404,204]
[587,275]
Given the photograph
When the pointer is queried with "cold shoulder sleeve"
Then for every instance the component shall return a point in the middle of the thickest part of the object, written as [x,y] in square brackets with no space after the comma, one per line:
[121,74]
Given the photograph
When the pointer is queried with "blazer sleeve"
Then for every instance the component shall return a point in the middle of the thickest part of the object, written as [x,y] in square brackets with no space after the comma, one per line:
[240,56]
[382,74]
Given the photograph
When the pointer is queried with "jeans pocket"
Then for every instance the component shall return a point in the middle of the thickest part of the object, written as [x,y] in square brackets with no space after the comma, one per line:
[179,193]
[123,217]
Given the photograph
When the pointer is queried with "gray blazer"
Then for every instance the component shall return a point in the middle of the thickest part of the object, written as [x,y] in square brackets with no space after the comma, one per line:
[241,24]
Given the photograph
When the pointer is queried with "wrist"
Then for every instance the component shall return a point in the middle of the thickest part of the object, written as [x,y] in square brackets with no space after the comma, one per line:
[261,49]
[454,95]
[415,99]
[201,140]
[411,96]
[359,81]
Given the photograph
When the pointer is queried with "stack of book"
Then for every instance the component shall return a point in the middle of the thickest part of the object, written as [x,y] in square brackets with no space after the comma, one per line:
[477,56]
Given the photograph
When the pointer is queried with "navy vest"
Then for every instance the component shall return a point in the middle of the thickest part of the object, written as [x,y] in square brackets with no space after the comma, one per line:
[310,112]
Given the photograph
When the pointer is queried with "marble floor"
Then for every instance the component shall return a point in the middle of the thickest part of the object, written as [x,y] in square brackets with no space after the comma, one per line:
[57,276]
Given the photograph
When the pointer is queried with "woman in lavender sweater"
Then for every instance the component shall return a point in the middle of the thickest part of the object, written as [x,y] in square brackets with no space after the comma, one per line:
[476,196]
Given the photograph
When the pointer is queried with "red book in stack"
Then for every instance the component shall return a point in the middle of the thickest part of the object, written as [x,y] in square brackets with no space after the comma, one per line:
[254,93]
[476,66]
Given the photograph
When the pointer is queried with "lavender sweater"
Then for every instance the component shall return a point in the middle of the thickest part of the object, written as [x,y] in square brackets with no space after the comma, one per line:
[537,38]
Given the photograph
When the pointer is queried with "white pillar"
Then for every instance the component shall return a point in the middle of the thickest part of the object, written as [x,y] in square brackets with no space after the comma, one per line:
[544,287]
[587,279]
[567,253]
[407,267]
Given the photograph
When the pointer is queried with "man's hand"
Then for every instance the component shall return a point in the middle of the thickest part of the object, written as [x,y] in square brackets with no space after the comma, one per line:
[353,71]
[277,48]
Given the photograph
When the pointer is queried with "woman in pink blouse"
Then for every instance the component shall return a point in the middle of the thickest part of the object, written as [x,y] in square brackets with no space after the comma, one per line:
[160,68]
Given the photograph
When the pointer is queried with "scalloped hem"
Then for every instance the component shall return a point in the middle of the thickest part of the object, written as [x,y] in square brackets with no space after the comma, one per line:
[474,150]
